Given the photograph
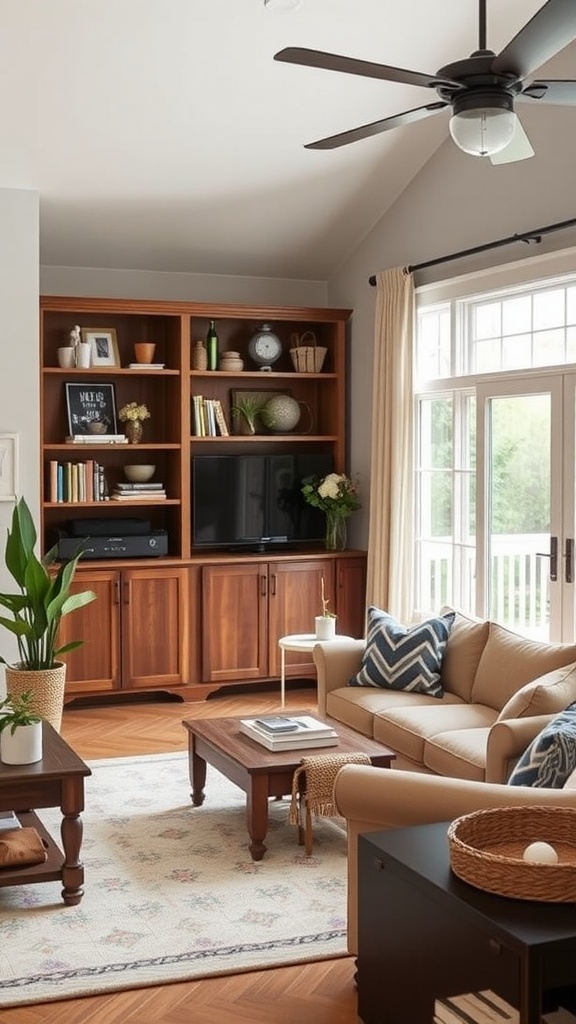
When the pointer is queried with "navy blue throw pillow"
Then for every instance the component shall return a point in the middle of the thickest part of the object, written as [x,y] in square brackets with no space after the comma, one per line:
[551,757]
[401,657]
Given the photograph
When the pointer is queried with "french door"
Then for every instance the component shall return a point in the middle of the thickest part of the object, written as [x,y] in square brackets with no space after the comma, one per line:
[525,503]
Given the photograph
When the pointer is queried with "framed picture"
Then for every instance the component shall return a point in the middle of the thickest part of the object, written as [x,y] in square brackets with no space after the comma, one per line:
[91,408]
[8,467]
[103,345]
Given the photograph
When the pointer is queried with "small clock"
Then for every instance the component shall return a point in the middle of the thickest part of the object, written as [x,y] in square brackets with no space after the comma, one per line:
[265,347]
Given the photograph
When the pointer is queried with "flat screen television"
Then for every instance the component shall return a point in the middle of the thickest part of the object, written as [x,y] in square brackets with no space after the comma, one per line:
[255,501]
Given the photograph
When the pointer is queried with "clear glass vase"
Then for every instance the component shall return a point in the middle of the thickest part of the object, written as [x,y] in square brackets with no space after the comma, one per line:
[335,532]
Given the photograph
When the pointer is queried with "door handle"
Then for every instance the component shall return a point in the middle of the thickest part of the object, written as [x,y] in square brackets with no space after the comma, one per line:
[553,556]
[569,560]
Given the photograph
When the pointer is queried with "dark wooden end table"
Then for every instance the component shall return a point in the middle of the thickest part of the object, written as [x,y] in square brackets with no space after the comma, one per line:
[259,772]
[57,780]
[417,919]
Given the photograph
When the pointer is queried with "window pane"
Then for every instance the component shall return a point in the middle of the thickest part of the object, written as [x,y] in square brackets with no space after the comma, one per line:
[549,309]
[487,320]
[517,315]
[548,348]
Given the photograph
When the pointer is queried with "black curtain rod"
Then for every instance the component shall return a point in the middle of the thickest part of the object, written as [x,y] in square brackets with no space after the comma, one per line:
[527,236]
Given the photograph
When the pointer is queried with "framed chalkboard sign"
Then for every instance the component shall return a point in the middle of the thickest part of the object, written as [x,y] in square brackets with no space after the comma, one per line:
[91,409]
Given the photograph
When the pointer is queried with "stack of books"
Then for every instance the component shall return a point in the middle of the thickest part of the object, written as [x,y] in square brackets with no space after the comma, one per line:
[279,732]
[208,417]
[97,439]
[146,366]
[8,820]
[77,481]
[139,492]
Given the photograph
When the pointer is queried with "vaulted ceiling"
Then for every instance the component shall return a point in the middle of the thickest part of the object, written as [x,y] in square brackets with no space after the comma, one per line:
[162,135]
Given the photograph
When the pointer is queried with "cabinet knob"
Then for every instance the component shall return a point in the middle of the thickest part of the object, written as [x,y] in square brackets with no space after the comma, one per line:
[378,864]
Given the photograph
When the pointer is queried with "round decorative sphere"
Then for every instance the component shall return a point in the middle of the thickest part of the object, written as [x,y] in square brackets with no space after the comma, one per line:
[139,474]
[540,853]
[281,413]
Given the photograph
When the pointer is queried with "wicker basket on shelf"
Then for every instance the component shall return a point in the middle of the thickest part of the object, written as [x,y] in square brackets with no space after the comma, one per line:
[486,849]
[306,355]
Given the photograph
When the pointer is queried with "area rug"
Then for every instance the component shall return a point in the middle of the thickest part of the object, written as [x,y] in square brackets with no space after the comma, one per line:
[171,892]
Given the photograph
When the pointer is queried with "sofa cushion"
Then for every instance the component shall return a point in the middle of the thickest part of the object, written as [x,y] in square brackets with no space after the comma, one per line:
[570,781]
[401,657]
[551,757]
[547,695]
[468,638]
[357,706]
[407,729]
[509,661]
[459,754]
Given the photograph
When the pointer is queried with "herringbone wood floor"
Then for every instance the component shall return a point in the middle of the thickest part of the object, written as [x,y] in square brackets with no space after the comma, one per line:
[320,993]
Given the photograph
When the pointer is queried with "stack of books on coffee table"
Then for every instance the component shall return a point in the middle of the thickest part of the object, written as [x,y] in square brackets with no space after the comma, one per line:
[280,732]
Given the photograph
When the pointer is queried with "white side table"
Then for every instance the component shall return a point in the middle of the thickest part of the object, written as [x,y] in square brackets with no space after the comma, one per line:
[299,642]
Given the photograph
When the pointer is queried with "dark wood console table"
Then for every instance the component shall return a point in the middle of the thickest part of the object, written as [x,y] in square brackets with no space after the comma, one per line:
[424,934]
[57,780]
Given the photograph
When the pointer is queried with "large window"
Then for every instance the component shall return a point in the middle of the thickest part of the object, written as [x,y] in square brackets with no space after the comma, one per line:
[494,461]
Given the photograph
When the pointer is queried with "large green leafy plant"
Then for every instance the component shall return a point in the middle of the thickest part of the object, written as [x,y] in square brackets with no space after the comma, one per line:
[44,596]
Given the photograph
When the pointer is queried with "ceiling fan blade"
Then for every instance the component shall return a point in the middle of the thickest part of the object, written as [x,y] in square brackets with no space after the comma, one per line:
[548,32]
[351,66]
[519,148]
[562,92]
[355,134]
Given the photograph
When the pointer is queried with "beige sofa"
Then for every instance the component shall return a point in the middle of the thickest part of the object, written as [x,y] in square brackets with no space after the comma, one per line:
[372,799]
[493,681]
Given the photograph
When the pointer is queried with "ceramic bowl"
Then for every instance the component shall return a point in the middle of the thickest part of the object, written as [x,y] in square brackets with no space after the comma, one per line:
[139,474]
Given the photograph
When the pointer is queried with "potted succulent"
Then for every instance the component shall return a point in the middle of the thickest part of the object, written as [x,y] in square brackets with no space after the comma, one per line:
[325,623]
[43,599]
[20,730]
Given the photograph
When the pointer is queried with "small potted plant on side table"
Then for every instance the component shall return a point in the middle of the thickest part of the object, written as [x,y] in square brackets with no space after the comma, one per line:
[325,623]
[20,730]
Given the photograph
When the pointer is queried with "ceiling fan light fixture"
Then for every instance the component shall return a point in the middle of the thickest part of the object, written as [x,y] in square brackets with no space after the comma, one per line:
[282,6]
[483,125]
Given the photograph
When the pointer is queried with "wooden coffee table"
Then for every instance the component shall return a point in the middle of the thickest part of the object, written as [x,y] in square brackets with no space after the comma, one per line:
[261,773]
[57,780]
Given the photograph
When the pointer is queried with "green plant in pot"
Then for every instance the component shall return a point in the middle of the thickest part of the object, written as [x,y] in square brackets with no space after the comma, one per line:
[246,412]
[20,729]
[44,598]
[325,623]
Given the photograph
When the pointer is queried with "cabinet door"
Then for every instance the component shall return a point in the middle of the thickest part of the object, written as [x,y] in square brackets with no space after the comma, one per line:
[295,601]
[95,666]
[155,627]
[351,596]
[234,622]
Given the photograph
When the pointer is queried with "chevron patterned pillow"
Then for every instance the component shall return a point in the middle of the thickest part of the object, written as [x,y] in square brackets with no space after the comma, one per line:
[551,757]
[401,657]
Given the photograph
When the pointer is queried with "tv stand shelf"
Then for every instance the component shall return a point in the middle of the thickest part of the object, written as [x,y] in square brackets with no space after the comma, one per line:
[152,625]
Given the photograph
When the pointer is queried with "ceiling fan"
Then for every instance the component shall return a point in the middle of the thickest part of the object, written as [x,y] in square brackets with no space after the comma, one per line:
[481,89]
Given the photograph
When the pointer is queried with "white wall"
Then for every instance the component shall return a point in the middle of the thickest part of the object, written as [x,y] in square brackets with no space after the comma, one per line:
[19,377]
[456,202]
[137,284]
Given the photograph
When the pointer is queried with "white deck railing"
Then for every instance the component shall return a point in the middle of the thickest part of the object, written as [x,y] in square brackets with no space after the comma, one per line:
[519,580]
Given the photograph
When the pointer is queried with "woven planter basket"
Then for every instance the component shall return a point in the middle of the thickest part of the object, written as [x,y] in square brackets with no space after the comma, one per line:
[47,686]
[306,355]
[486,850]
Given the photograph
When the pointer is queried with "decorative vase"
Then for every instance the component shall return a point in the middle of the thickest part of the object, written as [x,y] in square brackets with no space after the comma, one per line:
[199,355]
[23,746]
[47,686]
[134,431]
[335,532]
[325,627]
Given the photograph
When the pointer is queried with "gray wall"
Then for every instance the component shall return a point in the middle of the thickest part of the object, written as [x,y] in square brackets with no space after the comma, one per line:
[456,202]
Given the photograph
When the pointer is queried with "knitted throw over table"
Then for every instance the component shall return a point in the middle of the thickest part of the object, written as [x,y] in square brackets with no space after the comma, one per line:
[314,781]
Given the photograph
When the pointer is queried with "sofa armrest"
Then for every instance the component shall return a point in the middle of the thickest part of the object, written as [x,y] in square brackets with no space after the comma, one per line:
[335,663]
[507,741]
[372,799]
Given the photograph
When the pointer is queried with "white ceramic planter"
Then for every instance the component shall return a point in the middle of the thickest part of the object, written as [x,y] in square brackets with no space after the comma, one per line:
[325,627]
[24,746]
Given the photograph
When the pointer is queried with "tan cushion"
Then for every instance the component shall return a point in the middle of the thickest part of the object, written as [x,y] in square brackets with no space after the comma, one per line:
[509,661]
[570,781]
[462,655]
[460,754]
[547,695]
[407,729]
[356,706]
